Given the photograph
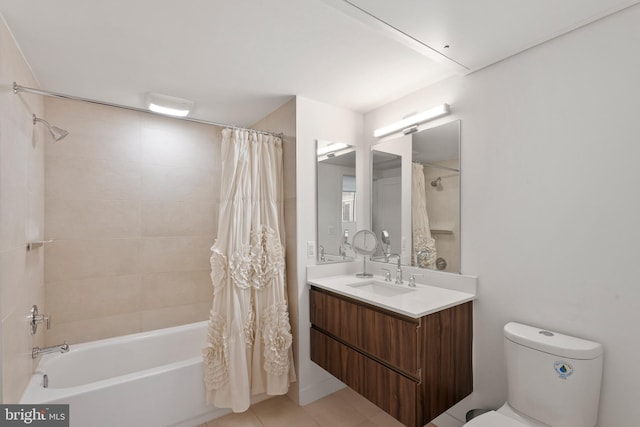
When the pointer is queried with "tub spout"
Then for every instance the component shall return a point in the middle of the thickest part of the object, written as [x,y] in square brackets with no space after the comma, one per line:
[37,351]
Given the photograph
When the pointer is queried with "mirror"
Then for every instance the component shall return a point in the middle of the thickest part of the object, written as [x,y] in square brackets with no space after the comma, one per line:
[415,198]
[336,201]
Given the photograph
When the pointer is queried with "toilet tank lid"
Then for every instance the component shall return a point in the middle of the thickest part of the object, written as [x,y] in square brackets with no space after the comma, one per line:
[552,342]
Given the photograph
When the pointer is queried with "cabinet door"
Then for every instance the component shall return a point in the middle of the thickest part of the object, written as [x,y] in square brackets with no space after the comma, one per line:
[336,316]
[384,335]
[391,339]
[396,394]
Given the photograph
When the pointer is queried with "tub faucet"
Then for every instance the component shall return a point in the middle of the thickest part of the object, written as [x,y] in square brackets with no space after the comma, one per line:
[37,351]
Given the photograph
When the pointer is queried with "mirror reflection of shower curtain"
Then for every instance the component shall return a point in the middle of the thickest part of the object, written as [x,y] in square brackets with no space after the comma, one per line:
[424,246]
[249,341]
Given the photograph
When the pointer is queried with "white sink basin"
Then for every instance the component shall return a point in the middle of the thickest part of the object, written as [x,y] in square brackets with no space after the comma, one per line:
[381,288]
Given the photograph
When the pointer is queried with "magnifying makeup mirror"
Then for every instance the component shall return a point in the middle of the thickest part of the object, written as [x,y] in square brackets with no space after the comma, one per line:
[364,243]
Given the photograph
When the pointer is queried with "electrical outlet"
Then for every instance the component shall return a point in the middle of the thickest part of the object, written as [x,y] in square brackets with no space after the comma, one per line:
[311,249]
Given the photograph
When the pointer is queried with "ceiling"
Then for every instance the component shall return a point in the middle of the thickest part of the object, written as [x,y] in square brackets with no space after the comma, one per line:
[239,60]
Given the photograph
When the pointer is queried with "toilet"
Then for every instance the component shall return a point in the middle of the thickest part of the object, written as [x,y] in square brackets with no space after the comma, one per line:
[552,380]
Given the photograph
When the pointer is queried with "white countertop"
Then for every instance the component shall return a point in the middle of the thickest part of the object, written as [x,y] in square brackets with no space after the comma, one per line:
[426,299]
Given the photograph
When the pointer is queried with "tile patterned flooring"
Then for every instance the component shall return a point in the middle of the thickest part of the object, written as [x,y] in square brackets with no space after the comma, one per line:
[344,408]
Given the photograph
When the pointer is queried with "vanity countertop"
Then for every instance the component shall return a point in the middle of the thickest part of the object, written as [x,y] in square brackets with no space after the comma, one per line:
[415,302]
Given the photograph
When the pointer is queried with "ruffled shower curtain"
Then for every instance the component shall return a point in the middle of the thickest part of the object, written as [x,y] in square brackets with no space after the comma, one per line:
[249,341]
[424,246]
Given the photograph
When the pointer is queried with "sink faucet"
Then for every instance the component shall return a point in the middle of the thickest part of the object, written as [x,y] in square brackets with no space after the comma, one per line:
[398,269]
[322,256]
[344,244]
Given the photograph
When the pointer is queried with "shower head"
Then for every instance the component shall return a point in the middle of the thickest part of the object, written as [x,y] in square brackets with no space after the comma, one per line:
[55,131]
[436,182]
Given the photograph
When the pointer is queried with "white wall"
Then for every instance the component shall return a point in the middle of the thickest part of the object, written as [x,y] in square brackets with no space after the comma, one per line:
[315,120]
[550,199]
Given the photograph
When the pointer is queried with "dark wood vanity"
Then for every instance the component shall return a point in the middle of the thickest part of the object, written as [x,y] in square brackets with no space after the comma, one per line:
[414,369]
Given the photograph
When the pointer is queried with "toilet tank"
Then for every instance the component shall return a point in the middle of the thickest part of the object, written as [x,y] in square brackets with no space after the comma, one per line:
[553,378]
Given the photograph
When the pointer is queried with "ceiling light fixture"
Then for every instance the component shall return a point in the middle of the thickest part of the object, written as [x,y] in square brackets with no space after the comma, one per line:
[169,105]
[413,120]
[331,148]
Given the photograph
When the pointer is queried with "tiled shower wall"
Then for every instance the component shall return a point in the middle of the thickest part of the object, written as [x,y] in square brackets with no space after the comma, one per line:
[21,218]
[131,202]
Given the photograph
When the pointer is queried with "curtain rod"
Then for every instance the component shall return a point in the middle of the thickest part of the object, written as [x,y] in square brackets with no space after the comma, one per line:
[19,88]
[432,165]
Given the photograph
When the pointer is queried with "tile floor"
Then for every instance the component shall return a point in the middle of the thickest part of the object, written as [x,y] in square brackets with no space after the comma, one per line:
[344,408]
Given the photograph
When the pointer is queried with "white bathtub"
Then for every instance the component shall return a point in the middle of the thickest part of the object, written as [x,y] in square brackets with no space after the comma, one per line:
[146,379]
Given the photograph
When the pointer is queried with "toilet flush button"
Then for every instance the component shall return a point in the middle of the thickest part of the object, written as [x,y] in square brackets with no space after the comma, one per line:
[546,333]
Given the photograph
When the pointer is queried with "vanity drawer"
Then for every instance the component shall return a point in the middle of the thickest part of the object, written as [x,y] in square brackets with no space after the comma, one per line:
[395,393]
[383,335]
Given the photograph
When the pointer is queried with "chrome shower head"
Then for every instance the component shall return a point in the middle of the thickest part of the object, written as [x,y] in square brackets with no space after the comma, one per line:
[436,182]
[55,131]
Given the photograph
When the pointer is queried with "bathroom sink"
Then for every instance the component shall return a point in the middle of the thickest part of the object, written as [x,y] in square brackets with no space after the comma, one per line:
[381,288]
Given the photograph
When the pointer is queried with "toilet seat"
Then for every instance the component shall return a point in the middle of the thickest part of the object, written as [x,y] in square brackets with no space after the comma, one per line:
[494,419]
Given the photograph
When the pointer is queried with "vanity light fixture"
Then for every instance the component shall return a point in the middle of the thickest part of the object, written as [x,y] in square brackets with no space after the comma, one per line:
[413,120]
[331,148]
[168,105]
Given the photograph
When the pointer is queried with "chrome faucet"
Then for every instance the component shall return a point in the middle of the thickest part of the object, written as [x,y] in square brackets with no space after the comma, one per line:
[387,274]
[412,280]
[37,351]
[322,256]
[345,244]
[398,269]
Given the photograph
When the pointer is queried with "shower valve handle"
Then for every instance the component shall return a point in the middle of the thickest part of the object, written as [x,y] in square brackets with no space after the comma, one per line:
[35,319]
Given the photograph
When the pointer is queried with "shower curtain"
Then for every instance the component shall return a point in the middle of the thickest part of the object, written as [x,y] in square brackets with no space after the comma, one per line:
[249,340]
[424,246]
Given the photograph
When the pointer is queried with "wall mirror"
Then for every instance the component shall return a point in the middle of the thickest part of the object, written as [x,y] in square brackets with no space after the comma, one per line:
[415,198]
[336,201]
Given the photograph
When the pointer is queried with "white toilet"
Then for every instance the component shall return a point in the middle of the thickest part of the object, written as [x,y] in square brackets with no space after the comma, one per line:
[553,380]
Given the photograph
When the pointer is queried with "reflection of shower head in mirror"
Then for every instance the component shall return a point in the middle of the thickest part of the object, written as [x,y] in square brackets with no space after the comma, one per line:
[386,242]
[437,183]
[385,237]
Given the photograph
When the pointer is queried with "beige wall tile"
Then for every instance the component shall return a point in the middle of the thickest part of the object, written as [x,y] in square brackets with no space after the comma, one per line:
[21,214]
[177,183]
[95,131]
[93,298]
[175,143]
[80,259]
[164,254]
[93,329]
[179,218]
[92,219]
[14,196]
[16,356]
[82,178]
[176,315]
[176,288]
[12,280]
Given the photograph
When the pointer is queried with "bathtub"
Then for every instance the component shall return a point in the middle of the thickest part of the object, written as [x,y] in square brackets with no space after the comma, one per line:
[146,379]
